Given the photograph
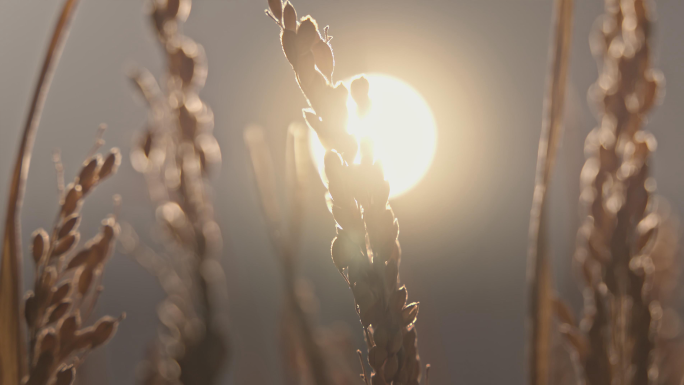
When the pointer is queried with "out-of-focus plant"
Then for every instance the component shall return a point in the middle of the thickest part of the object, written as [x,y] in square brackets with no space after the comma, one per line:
[311,354]
[176,153]
[627,243]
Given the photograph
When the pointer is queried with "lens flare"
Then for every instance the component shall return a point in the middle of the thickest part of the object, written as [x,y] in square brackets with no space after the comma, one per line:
[401,128]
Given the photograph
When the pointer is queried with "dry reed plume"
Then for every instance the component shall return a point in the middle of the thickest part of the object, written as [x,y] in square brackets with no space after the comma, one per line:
[176,153]
[366,250]
[626,245]
[67,283]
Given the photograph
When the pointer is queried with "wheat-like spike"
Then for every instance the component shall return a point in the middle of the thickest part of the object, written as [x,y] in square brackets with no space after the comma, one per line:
[176,154]
[366,250]
[67,282]
[539,265]
[616,241]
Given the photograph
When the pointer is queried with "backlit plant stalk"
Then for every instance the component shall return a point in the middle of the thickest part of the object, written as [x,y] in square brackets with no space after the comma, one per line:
[615,342]
[176,153]
[539,273]
[366,250]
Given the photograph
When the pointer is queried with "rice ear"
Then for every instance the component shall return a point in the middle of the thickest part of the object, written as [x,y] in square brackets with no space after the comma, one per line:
[176,152]
[12,361]
[366,251]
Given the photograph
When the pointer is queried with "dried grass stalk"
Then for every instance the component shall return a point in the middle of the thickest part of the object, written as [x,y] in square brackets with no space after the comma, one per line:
[615,341]
[176,154]
[13,350]
[365,251]
[539,267]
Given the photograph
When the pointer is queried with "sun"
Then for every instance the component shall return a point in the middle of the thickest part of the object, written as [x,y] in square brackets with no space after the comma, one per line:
[401,128]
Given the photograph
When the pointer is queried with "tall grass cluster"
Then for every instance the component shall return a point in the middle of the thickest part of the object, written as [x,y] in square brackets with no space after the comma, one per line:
[626,252]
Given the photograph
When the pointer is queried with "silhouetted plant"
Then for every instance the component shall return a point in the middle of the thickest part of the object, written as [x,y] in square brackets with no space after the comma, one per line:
[366,250]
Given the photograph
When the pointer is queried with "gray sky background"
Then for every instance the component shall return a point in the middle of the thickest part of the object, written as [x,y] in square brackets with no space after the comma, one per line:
[480,64]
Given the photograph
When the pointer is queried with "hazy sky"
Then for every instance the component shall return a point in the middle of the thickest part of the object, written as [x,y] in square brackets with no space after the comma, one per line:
[481,66]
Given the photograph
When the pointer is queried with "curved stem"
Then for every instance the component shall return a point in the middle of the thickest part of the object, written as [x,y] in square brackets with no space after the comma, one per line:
[12,350]
[539,266]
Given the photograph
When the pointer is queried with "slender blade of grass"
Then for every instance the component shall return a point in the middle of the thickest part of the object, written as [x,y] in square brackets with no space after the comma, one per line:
[539,266]
[12,348]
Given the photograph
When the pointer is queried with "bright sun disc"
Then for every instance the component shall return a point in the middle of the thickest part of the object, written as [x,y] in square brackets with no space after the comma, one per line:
[401,128]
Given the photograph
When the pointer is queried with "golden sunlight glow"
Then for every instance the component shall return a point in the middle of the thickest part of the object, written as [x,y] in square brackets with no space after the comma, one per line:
[401,128]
